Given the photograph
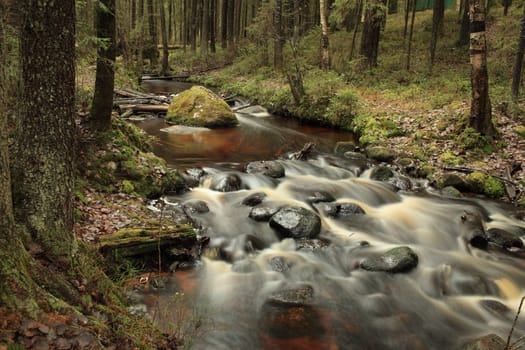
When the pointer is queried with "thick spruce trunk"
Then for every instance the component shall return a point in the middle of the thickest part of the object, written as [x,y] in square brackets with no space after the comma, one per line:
[45,143]
[102,106]
[480,108]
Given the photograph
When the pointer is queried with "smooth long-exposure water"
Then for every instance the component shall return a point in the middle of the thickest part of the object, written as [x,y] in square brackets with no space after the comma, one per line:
[262,289]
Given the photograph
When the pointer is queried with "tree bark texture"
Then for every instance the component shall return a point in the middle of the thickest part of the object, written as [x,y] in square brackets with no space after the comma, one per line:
[518,63]
[278,41]
[371,32]
[325,52]
[205,28]
[153,51]
[437,25]
[102,106]
[164,37]
[480,108]
[213,25]
[411,33]
[45,144]
[464,29]
[224,24]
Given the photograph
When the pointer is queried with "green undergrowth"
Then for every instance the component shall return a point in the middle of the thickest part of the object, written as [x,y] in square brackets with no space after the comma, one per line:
[121,161]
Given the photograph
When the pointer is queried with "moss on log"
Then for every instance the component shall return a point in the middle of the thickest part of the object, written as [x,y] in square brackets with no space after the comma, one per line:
[131,242]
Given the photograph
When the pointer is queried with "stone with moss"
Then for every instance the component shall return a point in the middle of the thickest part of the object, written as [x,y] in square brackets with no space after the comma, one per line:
[381,154]
[200,107]
[484,184]
[342,147]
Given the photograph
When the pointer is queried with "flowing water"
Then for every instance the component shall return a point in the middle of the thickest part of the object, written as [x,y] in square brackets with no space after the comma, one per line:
[260,291]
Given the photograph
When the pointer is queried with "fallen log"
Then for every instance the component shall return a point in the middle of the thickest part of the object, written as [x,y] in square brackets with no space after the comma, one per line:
[139,95]
[133,242]
[144,108]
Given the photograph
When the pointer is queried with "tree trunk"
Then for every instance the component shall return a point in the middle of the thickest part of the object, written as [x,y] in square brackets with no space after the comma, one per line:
[356,28]
[371,32]
[518,63]
[325,53]
[231,24]
[133,14]
[164,38]
[411,33]
[213,25]
[506,5]
[480,108]
[464,30]
[437,25]
[45,145]
[224,24]
[205,28]
[102,106]
[171,24]
[193,26]
[278,41]
[407,11]
[153,51]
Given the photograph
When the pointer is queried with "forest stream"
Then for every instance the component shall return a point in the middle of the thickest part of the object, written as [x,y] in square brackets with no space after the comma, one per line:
[326,256]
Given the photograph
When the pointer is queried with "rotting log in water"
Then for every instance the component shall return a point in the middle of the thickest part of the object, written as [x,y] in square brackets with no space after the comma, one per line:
[144,108]
[133,242]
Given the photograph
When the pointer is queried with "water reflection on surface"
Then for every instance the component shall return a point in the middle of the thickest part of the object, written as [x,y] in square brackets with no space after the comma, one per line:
[255,138]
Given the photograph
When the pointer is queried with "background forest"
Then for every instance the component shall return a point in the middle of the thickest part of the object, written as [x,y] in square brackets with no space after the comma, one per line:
[438,82]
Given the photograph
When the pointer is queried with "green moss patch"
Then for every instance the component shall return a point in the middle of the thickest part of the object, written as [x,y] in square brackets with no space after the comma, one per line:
[201,107]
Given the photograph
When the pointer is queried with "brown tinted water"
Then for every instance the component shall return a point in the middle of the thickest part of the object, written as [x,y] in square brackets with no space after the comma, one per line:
[455,293]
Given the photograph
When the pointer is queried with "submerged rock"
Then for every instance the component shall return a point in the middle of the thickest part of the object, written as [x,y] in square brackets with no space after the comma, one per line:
[504,239]
[300,295]
[200,107]
[487,342]
[280,264]
[400,259]
[295,222]
[269,168]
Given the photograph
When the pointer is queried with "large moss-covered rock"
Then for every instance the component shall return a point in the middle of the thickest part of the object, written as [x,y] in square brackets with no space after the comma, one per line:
[201,107]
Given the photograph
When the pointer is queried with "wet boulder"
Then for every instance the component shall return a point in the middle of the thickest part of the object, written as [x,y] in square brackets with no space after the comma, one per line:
[200,107]
[262,213]
[381,154]
[195,207]
[269,168]
[343,209]
[254,199]
[381,173]
[289,313]
[399,259]
[320,196]
[342,147]
[298,295]
[280,264]
[472,229]
[193,176]
[226,182]
[487,342]
[504,239]
[295,222]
